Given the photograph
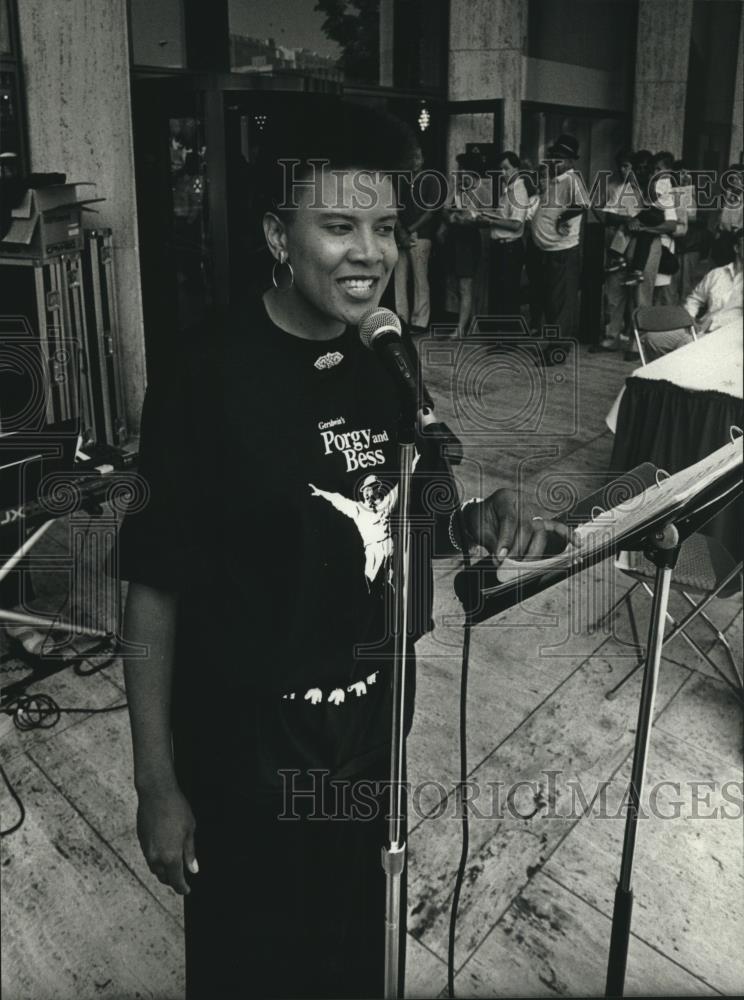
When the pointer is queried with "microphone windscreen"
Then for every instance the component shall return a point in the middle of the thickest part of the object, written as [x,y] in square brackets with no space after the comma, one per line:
[375,322]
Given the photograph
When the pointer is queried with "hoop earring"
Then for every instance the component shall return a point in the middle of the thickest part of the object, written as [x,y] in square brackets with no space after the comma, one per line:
[283,259]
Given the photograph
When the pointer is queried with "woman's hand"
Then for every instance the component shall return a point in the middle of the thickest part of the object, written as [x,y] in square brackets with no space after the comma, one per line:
[165,827]
[502,525]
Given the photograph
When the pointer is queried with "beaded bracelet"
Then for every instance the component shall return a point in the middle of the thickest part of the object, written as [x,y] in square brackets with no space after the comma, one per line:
[452,538]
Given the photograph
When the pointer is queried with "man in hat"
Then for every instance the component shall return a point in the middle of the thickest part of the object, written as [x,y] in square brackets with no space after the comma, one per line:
[556,233]
[372,518]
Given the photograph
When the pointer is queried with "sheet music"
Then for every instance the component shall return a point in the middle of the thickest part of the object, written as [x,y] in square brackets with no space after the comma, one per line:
[622,520]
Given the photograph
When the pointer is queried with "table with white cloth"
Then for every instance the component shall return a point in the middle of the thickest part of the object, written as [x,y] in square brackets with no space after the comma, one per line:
[680,408]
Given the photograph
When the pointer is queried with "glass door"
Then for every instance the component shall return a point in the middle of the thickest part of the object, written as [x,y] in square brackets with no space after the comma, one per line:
[173,204]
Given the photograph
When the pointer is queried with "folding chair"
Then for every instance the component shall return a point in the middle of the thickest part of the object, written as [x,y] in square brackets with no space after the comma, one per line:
[704,568]
[660,319]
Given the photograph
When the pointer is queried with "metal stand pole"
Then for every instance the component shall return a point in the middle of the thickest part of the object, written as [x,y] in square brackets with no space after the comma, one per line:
[39,621]
[664,552]
[394,855]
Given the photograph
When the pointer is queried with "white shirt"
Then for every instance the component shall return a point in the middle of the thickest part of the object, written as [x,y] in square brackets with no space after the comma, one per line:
[685,201]
[562,192]
[473,201]
[514,204]
[666,200]
[622,199]
[719,295]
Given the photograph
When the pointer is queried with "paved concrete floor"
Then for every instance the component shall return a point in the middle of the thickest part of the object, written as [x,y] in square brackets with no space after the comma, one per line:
[548,754]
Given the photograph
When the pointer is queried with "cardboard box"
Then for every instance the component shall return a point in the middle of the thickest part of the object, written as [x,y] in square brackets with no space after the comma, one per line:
[48,221]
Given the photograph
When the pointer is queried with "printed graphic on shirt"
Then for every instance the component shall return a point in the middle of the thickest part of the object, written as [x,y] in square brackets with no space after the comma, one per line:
[371,514]
[357,447]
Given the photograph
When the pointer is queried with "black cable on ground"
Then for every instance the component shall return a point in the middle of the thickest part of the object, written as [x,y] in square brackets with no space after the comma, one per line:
[464,806]
[17,799]
[463,770]
[41,711]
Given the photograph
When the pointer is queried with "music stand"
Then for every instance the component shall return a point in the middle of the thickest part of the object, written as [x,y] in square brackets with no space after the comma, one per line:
[682,504]
[663,550]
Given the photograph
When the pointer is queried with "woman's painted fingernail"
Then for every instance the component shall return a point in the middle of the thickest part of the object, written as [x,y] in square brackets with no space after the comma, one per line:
[502,553]
[194,867]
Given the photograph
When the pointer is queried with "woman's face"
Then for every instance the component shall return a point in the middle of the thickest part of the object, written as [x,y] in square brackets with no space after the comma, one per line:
[507,170]
[341,243]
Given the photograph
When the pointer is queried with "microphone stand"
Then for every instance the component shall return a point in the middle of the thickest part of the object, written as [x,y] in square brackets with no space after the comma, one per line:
[394,854]
[663,551]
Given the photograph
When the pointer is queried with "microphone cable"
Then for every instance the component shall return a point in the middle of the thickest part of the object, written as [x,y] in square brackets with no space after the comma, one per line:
[38,711]
[17,799]
[463,738]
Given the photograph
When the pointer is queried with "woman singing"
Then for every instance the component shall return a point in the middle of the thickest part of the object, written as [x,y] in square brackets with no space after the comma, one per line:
[258,650]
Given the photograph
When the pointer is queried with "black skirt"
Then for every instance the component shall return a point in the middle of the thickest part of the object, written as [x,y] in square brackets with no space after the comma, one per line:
[290,896]
[286,907]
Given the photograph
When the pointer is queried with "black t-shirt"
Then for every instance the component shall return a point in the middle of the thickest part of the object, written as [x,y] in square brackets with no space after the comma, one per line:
[272,467]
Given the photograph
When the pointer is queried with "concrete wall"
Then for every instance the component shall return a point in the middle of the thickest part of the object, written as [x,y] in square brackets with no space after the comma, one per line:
[467,128]
[552,82]
[662,58]
[596,33]
[737,118]
[487,39]
[76,65]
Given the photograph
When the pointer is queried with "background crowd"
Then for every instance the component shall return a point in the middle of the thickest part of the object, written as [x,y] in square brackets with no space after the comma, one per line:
[510,241]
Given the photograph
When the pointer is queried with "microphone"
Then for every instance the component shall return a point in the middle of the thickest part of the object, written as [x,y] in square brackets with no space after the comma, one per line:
[380,332]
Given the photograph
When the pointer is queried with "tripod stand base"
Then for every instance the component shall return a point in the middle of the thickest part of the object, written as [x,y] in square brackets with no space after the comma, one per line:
[54,624]
[664,549]
[619,941]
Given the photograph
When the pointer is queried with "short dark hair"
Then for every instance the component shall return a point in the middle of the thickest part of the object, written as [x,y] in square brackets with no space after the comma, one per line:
[470,162]
[511,158]
[623,156]
[664,157]
[344,136]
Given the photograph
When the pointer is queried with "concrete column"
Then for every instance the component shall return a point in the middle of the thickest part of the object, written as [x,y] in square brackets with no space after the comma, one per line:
[662,59]
[737,115]
[76,66]
[487,43]
[467,128]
